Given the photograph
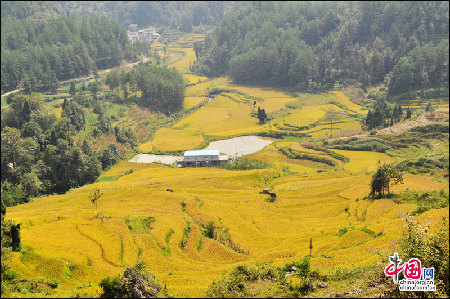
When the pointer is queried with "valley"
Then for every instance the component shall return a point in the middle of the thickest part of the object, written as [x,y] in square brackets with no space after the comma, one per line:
[321,192]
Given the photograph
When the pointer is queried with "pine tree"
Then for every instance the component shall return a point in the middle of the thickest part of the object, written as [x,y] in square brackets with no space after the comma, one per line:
[400,112]
[408,113]
[369,120]
[394,113]
[26,111]
[72,89]
[85,148]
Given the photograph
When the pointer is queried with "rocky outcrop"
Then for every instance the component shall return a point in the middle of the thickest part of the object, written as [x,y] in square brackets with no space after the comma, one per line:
[131,285]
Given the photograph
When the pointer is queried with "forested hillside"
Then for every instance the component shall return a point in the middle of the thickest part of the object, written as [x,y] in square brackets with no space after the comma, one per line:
[38,53]
[161,89]
[28,9]
[311,46]
[176,14]
[38,151]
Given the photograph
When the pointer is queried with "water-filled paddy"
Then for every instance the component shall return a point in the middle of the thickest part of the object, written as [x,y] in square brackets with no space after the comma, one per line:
[244,145]
[149,158]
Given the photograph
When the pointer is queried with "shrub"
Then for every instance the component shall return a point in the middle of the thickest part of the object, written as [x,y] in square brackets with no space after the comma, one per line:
[242,164]
[344,229]
[425,201]
[362,144]
[339,273]
[327,151]
[292,154]
[131,285]
[129,171]
[200,244]
[250,281]
[169,236]
[432,128]
[148,221]
[110,287]
[280,135]
[304,267]
[186,232]
[140,265]
[209,230]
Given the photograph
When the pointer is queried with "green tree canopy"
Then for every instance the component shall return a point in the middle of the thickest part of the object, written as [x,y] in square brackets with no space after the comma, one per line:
[385,176]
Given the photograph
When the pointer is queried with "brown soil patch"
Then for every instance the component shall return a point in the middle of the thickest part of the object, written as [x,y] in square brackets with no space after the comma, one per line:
[440,115]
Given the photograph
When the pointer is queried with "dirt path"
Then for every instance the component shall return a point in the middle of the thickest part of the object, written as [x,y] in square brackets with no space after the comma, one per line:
[101,74]
[10,92]
[105,72]
[440,115]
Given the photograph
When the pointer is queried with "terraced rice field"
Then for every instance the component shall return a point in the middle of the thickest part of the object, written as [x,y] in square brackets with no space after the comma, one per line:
[187,60]
[341,98]
[190,102]
[307,115]
[336,129]
[422,103]
[62,230]
[221,117]
[193,79]
[67,238]
[364,160]
[167,139]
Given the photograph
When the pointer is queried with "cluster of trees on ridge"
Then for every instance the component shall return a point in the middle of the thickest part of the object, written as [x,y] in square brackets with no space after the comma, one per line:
[311,46]
[162,89]
[36,54]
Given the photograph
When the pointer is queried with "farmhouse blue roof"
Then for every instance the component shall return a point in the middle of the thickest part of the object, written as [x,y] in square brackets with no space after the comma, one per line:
[202,153]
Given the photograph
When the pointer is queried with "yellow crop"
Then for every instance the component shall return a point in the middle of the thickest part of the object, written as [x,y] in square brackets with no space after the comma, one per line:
[220,117]
[190,102]
[309,205]
[171,139]
[341,98]
[306,115]
[364,160]
[188,59]
[194,78]
[314,201]
[146,147]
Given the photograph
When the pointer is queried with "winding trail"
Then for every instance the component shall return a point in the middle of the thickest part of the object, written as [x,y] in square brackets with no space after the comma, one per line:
[101,247]
[100,74]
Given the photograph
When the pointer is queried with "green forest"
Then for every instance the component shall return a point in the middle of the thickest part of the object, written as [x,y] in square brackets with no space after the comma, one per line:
[161,89]
[311,46]
[183,15]
[38,151]
[37,54]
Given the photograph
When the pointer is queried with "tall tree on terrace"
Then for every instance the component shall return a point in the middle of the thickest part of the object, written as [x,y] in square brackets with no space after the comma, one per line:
[385,175]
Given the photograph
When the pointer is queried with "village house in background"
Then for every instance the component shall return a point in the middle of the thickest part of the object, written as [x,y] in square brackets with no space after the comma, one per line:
[147,35]
[202,158]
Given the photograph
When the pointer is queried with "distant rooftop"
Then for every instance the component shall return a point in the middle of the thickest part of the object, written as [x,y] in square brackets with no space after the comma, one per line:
[202,153]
